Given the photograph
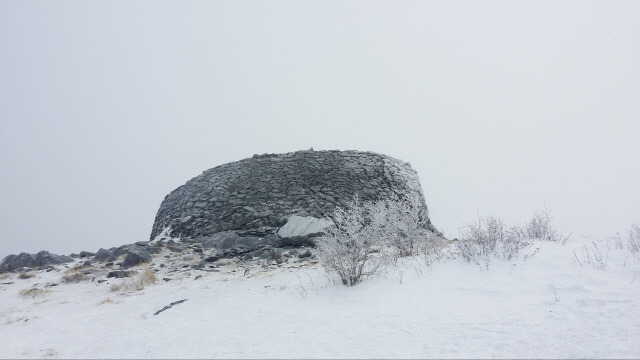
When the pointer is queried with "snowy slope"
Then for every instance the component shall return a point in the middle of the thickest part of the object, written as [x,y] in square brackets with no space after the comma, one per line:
[549,306]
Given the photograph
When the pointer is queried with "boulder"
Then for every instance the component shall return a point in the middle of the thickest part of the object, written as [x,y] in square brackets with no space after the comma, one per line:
[33,261]
[118,274]
[102,255]
[136,255]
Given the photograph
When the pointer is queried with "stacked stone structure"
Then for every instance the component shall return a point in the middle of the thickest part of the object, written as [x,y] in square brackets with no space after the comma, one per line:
[257,196]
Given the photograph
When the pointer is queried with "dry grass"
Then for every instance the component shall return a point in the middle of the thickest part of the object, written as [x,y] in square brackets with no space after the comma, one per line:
[147,276]
[4,276]
[72,275]
[25,275]
[107,301]
[33,292]
[138,281]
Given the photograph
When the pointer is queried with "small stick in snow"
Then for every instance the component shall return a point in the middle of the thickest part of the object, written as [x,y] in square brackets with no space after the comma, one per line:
[169,306]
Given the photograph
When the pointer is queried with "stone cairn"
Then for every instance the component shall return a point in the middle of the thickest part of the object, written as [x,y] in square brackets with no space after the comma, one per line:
[278,195]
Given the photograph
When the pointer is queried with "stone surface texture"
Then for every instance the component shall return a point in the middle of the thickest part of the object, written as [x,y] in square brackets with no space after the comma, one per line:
[33,261]
[258,195]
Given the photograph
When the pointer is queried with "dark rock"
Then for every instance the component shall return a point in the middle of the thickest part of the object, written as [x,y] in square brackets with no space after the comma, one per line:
[84,254]
[136,255]
[15,262]
[212,258]
[141,243]
[31,261]
[305,254]
[116,252]
[102,255]
[118,274]
[154,250]
[45,258]
[176,248]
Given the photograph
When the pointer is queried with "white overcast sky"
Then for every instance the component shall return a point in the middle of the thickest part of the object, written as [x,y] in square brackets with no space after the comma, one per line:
[503,107]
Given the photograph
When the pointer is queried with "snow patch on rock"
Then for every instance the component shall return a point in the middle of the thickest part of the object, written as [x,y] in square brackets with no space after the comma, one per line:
[303,226]
[165,235]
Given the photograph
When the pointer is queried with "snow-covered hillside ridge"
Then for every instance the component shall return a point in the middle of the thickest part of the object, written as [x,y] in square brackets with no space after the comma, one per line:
[577,300]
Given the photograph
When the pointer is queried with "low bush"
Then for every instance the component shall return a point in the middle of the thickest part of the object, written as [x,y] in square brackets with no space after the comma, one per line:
[350,247]
[368,234]
[489,238]
[540,227]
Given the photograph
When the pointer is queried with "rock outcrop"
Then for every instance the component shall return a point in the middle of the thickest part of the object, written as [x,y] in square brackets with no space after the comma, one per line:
[256,198]
[32,261]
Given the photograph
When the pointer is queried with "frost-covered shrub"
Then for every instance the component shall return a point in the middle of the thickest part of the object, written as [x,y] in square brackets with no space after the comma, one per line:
[368,234]
[350,247]
[488,239]
[633,243]
[540,227]
[435,248]
[403,224]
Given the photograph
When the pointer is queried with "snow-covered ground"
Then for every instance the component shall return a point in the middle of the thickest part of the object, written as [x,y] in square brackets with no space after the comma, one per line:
[549,306]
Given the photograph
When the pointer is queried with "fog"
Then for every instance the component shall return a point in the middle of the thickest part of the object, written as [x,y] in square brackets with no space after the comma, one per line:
[503,108]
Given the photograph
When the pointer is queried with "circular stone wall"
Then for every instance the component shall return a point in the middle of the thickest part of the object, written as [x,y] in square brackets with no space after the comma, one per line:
[257,196]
